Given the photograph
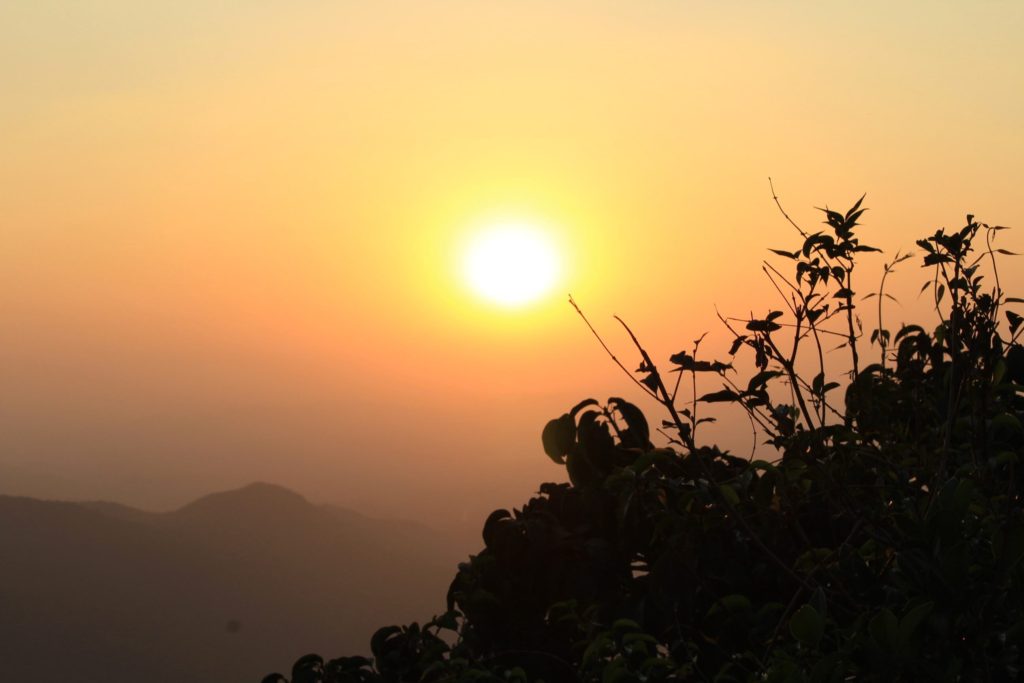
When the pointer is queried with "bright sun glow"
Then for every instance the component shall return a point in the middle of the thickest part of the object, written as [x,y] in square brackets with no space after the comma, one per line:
[511,263]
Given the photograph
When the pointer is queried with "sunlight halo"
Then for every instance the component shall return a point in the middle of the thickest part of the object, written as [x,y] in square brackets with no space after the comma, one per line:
[510,263]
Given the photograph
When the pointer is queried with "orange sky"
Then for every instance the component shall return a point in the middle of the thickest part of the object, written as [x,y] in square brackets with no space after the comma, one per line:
[229,229]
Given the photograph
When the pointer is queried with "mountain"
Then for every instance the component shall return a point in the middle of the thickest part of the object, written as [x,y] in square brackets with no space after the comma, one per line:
[227,588]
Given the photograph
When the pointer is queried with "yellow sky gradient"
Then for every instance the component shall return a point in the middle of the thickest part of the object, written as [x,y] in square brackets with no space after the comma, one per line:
[230,230]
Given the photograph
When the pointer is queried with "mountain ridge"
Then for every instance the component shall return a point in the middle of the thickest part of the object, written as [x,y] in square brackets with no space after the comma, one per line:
[226,587]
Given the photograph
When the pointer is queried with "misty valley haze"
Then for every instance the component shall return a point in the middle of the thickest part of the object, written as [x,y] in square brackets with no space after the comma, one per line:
[226,588]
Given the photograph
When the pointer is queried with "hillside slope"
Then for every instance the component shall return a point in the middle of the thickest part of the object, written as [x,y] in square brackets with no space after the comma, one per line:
[226,588]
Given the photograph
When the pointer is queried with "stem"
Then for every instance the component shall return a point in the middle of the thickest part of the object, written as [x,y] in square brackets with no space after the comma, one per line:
[849,319]
[664,398]
[881,335]
[995,273]
[793,381]
[609,351]
[779,204]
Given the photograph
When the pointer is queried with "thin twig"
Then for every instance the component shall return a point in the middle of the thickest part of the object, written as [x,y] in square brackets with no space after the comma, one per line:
[995,272]
[609,351]
[753,440]
[849,320]
[693,385]
[765,264]
[779,204]
[778,289]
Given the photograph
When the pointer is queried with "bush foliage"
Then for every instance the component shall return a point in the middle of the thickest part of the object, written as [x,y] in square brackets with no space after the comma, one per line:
[881,541]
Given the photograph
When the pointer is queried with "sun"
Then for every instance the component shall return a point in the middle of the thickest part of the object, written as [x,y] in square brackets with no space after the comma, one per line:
[511,263]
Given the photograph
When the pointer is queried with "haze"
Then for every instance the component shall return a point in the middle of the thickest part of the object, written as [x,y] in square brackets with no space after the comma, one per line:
[229,229]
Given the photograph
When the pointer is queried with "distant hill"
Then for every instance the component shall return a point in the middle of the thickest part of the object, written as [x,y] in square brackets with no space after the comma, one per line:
[227,588]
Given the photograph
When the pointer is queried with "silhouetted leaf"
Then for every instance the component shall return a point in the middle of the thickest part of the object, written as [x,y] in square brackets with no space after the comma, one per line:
[729,494]
[730,604]
[814,313]
[763,326]
[448,621]
[854,209]
[720,396]
[736,344]
[581,405]
[490,531]
[912,619]
[308,669]
[558,437]
[651,381]
[884,628]
[1014,320]
[817,240]
[687,363]
[833,218]
[636,423]
[807,626]
[909,329]
[852,216]
[381,635]
[762,378]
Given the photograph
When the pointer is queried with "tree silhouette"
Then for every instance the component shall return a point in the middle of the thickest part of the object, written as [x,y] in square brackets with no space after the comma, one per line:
[883,541]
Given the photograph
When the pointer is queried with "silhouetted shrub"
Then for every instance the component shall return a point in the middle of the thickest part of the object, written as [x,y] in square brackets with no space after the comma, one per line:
[883,540]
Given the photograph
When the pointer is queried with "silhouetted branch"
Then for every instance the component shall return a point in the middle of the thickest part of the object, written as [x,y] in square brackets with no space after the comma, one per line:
[609,351]
[786,215]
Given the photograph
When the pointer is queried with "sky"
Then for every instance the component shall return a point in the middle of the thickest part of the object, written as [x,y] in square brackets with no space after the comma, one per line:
[230,231]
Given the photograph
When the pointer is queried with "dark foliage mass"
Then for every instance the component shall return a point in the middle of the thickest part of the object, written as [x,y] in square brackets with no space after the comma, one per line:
[881,541]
